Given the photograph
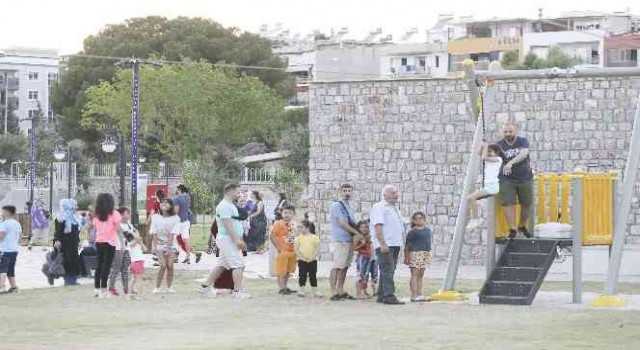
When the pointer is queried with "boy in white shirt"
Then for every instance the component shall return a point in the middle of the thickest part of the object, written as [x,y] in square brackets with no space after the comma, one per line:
[493,163]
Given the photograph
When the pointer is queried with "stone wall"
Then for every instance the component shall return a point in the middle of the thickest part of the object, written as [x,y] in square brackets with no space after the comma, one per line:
[416,134]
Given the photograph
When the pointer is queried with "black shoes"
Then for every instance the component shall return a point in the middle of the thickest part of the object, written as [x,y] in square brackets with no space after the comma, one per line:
[525,232]
[286,291]
[392,301]
[513,234]
[346,296]
[198,257]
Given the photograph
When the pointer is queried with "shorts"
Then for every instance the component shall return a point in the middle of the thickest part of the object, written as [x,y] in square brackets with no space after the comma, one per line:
[420,259]
[161,253]
[8,263]
[512,193]
[184,229]
[230,257]
[137,268]
[342,254]
[367,268]
[286,263]
[491,188]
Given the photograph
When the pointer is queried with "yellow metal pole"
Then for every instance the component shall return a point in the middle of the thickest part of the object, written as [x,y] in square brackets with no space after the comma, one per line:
[542,185]
[566,188]
[553,198]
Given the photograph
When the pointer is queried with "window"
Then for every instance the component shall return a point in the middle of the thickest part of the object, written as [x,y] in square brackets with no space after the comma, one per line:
[32,95]
[422,61]
[33,113]
[33,76]
[437,61]
[53,77]
[403,61]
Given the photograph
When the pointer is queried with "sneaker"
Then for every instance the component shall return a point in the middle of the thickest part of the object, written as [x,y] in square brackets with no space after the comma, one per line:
[241,295]
[302,294]
[187,261]
[473,224]
[114,292]
[513,234]
[284,292]
[157,291]
[170,290]
[291,291]
[336,297]
[418,299]
[392,301]
[13,290]
[525,232]
[346,296]
[50,280]
[208,292]
[198,257]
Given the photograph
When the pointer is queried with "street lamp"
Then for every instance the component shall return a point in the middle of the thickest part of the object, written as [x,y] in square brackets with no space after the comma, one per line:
[59,155]
[109,146]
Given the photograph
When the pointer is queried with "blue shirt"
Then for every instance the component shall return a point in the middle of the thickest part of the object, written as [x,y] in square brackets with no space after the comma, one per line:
[520,172]
[338,212]
[11,240]
[183,201]
[227,210]
[387,215]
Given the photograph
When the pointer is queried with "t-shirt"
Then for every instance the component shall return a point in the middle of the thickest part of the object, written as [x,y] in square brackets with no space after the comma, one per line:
[183,201]
[520,172]
[107,231]
[365,249]
[11,241]
[338,212]
[163,227]
[419,240]
[135,252]
[387,215]
[307,245]
[283,234]
[227,210]
[492,170]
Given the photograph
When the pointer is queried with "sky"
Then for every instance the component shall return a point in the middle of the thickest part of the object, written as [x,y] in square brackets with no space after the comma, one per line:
[63,24]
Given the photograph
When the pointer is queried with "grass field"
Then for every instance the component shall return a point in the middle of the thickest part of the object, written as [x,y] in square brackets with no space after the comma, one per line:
[70,318]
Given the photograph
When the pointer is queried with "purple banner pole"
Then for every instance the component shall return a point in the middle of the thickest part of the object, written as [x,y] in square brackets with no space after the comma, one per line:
[135,111]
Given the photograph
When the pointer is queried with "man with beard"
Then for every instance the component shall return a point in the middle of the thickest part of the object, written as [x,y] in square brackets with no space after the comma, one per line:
[516,179]
[343,228]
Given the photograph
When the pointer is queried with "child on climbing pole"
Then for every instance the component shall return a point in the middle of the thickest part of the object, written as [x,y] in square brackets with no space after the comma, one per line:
[491,186]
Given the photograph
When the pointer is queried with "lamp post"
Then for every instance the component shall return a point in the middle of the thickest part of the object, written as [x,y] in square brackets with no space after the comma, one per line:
[59,155]
[109,146]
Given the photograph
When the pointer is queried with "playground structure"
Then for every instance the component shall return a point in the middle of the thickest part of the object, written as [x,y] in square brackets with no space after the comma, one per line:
[596,205]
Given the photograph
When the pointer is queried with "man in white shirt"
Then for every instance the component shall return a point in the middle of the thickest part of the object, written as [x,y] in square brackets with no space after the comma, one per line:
[387,232]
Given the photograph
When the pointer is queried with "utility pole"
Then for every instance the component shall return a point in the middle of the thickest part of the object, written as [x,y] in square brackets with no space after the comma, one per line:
[6,102]
[123,169]
[135,114]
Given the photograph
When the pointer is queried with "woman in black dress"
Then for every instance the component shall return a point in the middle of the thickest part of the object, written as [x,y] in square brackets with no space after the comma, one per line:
[258,225]
[67,238]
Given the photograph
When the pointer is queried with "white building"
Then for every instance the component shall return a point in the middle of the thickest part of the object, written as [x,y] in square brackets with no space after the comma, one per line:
[27,75]
[587,47]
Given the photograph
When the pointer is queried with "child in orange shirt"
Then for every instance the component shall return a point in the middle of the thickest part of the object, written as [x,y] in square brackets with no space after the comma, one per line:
[282,237]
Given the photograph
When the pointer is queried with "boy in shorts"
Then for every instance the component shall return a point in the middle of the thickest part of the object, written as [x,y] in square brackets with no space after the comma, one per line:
[282,236]
[10,233]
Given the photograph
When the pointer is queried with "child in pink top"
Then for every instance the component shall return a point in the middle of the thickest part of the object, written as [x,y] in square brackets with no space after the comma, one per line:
[107,225]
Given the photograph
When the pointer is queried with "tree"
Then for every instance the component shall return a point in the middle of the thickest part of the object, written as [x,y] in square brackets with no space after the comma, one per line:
[179,39]
[531,61]
[13,148]
[188,109]
[295,141]
[510,59]
[557,58]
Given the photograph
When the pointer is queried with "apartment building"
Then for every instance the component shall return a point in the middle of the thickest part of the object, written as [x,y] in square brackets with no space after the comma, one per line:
[26,76]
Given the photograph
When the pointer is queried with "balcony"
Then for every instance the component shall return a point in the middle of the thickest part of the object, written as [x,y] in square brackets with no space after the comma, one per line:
[483,45]
[11,83]
[628,63]
[410,70]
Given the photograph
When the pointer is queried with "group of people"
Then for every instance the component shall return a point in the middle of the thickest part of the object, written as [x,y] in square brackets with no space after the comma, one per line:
[241,224]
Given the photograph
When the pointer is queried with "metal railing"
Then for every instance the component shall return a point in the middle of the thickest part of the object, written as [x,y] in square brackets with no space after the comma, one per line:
[111,170]
[266,176]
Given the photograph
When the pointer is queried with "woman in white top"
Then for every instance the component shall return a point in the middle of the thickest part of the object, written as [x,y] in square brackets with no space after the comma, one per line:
[493,163]
[164,227]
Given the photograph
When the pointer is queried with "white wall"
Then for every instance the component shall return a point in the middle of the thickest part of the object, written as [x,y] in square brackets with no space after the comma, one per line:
[25,63]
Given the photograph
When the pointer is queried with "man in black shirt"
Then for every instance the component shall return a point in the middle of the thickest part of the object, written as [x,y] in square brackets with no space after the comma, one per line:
[516,179]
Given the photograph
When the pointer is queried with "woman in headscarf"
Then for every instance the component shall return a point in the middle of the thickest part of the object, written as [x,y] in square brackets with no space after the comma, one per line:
[67,238]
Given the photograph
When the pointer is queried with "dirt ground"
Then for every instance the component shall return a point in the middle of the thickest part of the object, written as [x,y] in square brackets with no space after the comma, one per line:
[70,318]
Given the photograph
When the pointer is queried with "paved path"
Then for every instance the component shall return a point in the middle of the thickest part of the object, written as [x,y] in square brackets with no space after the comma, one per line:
[29,265]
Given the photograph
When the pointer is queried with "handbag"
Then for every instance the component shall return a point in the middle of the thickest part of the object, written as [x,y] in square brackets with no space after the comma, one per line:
[349,219]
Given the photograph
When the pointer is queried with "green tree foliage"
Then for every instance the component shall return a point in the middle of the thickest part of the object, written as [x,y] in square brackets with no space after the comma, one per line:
[13,148]
[188,109]
[557,58]
[510,60]
[531,61]
[179,39]
[295,142]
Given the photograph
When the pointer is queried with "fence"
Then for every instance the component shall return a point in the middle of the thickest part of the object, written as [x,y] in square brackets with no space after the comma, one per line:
[255,176]
[111,170]
[554,205]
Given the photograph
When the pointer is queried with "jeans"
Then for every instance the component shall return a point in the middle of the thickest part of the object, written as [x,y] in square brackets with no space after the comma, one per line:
[105,260]
[387,262]
[309,269]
